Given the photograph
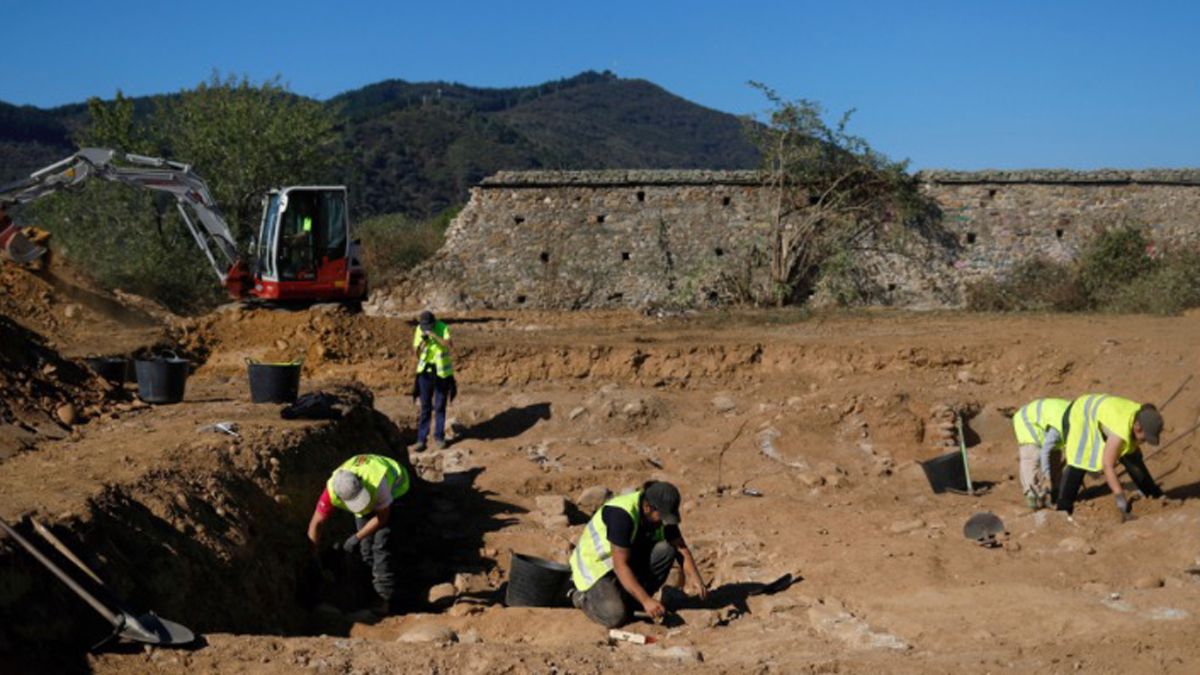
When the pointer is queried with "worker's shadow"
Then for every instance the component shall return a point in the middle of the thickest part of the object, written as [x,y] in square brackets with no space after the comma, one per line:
[734,595]
[509,423]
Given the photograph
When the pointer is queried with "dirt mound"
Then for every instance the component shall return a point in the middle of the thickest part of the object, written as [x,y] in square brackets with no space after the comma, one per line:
[74,315]
[42,395]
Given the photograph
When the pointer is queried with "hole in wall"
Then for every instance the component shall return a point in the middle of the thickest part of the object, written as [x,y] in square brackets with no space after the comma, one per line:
[1058,234]
[641,195]
[718,251]
[517,220]
[991,193]
[970,237]
[615,297]
[599,218]
[545,257]
[725,201]
[624,255]
[520,299]
[891,287]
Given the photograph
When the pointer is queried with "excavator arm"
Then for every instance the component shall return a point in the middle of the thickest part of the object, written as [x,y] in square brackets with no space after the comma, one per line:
[192,198]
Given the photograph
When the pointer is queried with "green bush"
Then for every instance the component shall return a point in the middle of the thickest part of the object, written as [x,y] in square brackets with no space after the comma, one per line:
[1110,261]
[1169,285]
[1032,285]
[1115,272]
[393,243]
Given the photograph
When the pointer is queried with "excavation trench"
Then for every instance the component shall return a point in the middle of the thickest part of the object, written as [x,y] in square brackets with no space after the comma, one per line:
[222,549]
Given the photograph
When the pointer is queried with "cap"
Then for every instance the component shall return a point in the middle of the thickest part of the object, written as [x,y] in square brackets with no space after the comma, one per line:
[349,488]
[426,319]
[1151,422]
[664,498]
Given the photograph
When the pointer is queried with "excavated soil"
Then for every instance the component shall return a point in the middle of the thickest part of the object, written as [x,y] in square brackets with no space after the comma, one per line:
[794,439]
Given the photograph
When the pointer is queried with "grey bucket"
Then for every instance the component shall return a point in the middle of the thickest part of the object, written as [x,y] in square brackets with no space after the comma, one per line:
[534,582]
[162,380]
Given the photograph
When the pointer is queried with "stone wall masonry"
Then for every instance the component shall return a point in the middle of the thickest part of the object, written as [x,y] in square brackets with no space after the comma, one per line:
[606,239]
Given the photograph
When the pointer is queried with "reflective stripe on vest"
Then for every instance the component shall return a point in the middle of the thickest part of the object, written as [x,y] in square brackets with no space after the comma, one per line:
[1032,421]
[371,470]
[432,352]
[592,558]
[1085,440]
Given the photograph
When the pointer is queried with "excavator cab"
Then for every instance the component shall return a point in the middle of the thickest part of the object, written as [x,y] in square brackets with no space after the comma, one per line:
[303,250]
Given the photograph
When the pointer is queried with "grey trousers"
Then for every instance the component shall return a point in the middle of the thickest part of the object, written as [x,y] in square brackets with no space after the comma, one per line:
[609,604]
[379,556]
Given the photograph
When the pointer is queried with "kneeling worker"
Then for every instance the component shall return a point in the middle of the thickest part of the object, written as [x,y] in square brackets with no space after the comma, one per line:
[1100,430]
[626,552]
[1038,427]
[366,486]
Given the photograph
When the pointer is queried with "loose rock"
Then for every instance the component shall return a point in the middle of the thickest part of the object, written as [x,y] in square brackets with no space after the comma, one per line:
[428,633]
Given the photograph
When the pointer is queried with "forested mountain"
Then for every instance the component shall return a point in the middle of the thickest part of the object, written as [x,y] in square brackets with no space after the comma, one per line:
[416,148]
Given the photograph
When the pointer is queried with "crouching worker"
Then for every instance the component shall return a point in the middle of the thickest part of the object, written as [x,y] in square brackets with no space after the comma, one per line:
[1038,427]
[625,554]
[366,486]
[1100,431]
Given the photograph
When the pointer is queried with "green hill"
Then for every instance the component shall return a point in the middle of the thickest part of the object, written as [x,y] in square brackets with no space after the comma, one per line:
[416,148]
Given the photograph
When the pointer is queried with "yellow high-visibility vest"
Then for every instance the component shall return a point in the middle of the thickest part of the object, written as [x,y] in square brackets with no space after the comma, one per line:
[432,352]
[1084,447]
[592,558]
[1035,418]
[371,470]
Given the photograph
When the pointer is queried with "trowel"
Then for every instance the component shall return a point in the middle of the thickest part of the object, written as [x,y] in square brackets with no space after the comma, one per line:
[146,628]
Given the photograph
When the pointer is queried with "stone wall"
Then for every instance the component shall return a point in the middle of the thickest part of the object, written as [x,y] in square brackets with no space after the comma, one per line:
[598,239]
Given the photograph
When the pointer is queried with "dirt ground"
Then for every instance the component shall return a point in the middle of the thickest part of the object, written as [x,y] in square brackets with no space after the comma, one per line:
[795,439]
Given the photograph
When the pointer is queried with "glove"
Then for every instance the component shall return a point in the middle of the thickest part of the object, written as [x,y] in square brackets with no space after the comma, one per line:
[351,543]
[1123,506]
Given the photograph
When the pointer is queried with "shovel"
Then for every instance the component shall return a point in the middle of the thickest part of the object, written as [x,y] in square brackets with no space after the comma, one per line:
[146,628]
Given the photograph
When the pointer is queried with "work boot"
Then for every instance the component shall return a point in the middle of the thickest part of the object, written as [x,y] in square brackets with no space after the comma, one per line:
[419,447]
[440,445]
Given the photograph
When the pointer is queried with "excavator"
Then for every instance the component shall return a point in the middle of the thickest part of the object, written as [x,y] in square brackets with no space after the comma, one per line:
[303,250]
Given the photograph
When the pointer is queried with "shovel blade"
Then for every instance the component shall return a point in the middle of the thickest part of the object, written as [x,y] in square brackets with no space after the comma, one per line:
[151,629]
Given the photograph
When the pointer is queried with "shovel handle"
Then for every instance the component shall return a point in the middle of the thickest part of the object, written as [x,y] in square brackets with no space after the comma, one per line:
[115,619]
[62,548]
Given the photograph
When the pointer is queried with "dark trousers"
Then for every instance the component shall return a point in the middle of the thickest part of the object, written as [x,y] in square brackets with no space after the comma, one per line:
[1135,466]
[609,604]
[380,556]
[431,389]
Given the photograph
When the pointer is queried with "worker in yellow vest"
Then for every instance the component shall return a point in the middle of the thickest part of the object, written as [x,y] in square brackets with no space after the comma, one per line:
[1101,430]
[435,378]
[1038,427]
[626,552]
[366,486]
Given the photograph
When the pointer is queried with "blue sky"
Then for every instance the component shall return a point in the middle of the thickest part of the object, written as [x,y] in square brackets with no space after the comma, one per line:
[965,85]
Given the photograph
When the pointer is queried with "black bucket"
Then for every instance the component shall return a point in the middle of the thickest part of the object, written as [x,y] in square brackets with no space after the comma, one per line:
[946,472]
[273,382]
[533,582]
[161,380]
[114,369]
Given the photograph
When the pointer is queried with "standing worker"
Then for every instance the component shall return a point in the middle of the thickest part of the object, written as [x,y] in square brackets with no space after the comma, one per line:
[1100,430]
[626,552]
[366,486]
[1038,427]
[435,377]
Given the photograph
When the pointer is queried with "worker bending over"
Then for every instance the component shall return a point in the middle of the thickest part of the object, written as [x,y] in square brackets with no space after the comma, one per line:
[366,486]
[626,552]
[1101,430]
[1038,427]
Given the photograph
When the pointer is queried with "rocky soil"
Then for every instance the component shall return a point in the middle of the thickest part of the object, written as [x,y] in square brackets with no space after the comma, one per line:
[796,441]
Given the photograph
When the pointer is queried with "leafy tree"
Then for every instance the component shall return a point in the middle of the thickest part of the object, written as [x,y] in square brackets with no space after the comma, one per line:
[830,192]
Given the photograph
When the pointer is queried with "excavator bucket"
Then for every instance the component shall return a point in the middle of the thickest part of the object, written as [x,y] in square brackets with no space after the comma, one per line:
[15,246]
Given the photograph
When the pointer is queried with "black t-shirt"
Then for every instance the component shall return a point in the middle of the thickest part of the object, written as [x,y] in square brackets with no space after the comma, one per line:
[620,529]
